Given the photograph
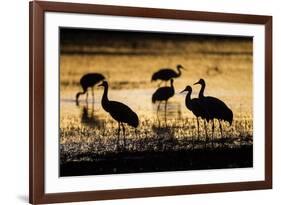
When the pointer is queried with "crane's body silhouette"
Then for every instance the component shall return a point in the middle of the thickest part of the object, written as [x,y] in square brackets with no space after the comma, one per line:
[119,112]
[217,109]
[163,94]
[196,106]
[166,74]
[89,81]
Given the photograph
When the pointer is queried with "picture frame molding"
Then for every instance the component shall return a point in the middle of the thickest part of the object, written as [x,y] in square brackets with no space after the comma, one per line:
[37,9]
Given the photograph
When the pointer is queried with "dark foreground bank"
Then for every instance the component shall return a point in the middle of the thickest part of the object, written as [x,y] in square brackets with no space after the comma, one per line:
[137,162]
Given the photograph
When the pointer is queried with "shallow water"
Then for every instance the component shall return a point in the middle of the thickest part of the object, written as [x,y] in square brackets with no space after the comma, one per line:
[131,84]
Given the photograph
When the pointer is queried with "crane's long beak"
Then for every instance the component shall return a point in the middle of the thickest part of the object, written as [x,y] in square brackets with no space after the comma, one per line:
[183,91]
[100,84]
[196,83]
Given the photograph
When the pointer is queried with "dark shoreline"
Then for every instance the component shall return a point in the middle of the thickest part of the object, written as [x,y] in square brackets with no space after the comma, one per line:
[150,161]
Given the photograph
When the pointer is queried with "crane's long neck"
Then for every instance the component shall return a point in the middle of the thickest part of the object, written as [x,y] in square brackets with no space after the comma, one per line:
[105,100]
[80,93]
[201,93]
[172,86]
[179,72]
[188,99]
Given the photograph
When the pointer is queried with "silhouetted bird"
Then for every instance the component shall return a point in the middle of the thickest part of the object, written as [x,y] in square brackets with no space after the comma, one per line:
[89,81]
[119,112]
[214,71]
[166,74]
[197,108]
[163,94]
[217,109]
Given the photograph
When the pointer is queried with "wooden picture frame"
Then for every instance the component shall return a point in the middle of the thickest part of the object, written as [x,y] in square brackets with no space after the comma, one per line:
[37,10]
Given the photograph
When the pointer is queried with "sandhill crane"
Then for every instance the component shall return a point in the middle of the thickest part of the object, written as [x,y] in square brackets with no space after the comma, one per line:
[197,108]
[89,81]
[166,74]
[163,94]
[211,71]
[217,109]
[119,112]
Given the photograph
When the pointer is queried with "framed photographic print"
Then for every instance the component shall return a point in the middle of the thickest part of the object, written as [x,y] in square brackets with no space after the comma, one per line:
[139,102]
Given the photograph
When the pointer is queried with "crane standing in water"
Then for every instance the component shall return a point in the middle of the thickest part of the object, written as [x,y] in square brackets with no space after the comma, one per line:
[197,108]
[89,81]
[217,109]
[166,74]
[119,112]
[163,94]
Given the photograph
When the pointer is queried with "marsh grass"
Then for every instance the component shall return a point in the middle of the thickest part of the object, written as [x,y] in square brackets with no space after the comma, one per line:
[81,144]
[86,151]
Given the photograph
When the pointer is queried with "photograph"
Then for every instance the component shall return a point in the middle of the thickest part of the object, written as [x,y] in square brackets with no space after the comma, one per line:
[143,101]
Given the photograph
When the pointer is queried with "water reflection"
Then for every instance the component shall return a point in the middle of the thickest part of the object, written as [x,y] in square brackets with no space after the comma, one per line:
[89,118]
[173,112]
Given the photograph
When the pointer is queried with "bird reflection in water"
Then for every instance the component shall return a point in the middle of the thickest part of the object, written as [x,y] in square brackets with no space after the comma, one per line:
[172,112]
[89,118]
[165,137]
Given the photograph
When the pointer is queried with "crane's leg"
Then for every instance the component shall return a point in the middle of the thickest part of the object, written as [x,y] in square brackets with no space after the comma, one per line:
[166,112]
[86,98]
[87,107]
[213,129]
[118,135]
[221,129]
[93,99]
[77,102]
[91,113]
[136,138]
[158,107]
[197,128]
[124,134]
[206,133]
[136,132]
[192,138]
